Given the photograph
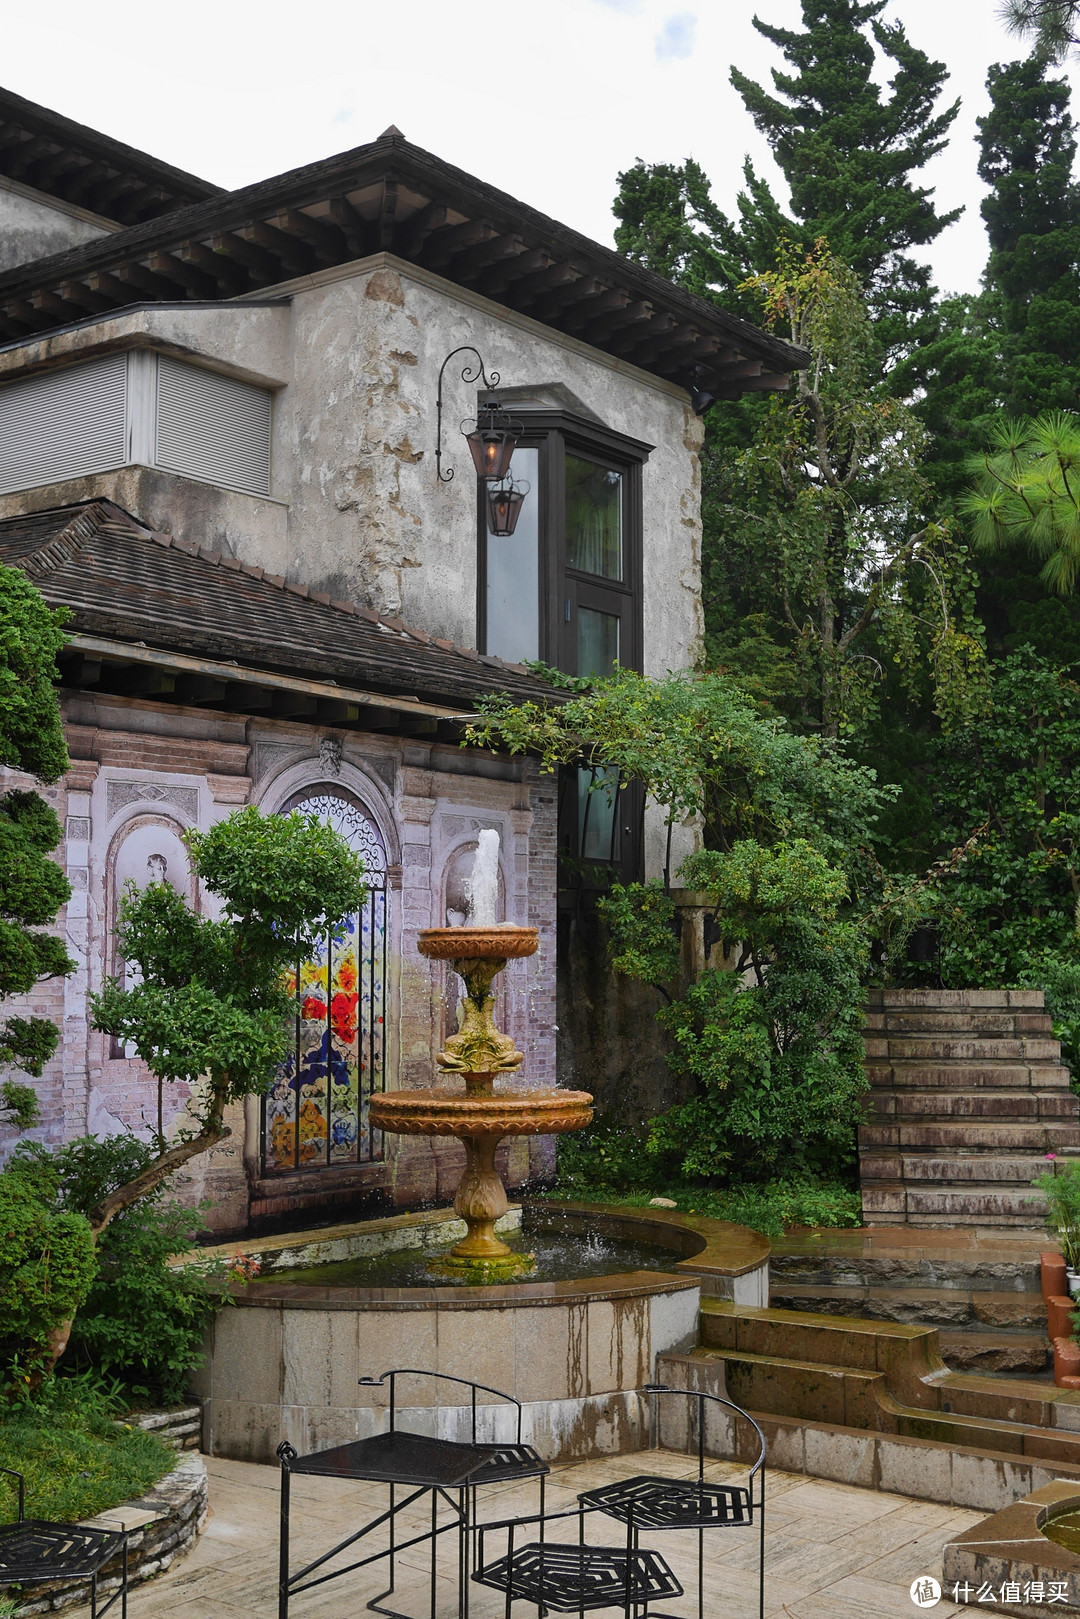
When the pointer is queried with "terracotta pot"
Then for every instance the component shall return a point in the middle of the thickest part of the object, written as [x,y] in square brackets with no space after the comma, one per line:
[1052,1276]
[1059,1317]
[1066,1360]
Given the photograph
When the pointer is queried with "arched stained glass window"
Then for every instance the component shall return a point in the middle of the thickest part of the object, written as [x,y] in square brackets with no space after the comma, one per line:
[315,1115]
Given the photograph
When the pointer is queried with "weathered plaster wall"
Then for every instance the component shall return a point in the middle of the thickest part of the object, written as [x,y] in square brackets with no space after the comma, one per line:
[34,226]
[142,773]
[355,443]
[249,340]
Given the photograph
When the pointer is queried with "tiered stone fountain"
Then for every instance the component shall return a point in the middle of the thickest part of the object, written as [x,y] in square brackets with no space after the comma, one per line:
[478,1054]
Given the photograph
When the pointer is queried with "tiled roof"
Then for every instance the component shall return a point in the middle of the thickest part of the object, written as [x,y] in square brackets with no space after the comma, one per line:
[393,197]
[43,149]
[122,580]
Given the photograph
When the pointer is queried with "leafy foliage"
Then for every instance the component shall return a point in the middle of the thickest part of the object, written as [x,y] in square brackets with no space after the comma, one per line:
[1015,773]
[144,1317]
[32,887]
[777,1066]
[47,1261]
[610,1165]
[78,1460]
[825,545]
[701,749]
[211,1005]
[31,638]
[775,1069]
[1061,1187]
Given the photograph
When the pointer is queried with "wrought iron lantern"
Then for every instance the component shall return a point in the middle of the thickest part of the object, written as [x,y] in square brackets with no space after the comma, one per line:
[504,503]
[493,437]
[492,441]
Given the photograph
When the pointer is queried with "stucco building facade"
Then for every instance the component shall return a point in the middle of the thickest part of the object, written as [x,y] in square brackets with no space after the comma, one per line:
[219,416]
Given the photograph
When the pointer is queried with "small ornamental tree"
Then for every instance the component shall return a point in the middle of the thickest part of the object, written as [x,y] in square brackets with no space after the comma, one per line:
[32,886]
[212,1007]
[775,1066]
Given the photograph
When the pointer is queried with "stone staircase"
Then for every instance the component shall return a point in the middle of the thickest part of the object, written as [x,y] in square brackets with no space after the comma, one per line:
[979,1288]
[871,1403]
[968,1095]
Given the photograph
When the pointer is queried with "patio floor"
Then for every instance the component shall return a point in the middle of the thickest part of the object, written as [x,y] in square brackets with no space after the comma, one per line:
[832,1552]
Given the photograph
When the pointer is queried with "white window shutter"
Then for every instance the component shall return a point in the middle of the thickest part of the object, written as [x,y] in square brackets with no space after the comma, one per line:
[212,427]
[63,424]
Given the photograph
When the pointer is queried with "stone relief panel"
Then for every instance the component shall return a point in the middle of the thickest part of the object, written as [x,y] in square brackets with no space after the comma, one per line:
[119,794]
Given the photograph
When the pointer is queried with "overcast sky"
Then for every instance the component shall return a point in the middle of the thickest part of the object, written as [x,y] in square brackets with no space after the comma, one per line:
[548,101]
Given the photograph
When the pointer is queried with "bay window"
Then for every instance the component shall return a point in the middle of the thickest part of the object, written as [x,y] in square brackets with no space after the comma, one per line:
[565,588]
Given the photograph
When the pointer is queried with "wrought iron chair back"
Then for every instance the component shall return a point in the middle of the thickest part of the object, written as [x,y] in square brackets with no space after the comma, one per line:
[444,1377]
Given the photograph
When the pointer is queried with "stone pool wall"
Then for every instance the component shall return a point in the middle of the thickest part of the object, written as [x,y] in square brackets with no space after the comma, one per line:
[285,1363]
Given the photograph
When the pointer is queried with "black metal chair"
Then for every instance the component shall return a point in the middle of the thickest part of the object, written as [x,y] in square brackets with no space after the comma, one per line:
[572,1576]
[34,1551]
[511,1462]
[658,1503]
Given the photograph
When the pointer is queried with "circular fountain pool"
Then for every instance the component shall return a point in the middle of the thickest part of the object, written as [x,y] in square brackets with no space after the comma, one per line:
[353,1301]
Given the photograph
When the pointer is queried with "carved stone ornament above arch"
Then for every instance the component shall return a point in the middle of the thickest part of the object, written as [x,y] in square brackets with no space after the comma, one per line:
[303,779]
[149,794]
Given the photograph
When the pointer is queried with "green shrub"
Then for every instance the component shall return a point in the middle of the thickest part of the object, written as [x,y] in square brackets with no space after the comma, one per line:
[607,1157]
[1061,1185]
[143,1319]
[47,1262]
[1058,975]
[76,1456]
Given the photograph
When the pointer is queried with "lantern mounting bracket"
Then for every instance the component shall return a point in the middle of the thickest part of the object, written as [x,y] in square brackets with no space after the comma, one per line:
[471,372]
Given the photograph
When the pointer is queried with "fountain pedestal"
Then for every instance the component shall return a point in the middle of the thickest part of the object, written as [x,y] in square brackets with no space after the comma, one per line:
[478,1053]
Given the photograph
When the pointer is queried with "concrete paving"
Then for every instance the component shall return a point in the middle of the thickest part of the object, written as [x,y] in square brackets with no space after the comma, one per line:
[832,1551]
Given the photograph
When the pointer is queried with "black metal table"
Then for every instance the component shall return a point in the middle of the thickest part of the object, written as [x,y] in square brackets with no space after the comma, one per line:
[399,1459]
[34,1551]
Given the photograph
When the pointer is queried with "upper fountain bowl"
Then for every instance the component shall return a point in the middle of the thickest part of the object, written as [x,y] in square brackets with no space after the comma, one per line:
[500,942]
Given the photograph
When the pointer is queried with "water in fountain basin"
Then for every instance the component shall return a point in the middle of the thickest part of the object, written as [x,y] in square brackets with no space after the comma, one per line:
[482,888]
[559,1257]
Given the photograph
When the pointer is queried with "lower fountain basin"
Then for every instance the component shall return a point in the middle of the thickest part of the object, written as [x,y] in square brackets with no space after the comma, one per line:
[285,1363]
[442,1111]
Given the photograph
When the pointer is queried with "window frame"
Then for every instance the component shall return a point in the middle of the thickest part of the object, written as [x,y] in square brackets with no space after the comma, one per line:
[553,434]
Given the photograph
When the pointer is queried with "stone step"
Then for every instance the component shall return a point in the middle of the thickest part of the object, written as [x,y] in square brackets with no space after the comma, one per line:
[970,1259]
[939,1106]
[971,1049]
[1004,1136]
[996,1351]
[937,1022]
[900,1202]
[915,1305]
[945,1167]
[948,998]
[881,1375]
[968,1076]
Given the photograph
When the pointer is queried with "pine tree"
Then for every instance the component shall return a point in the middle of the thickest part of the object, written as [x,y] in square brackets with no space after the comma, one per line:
[1028,145]
[1053,25]
[848,152]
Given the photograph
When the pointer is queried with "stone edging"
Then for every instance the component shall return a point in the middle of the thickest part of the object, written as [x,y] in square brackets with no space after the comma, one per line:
[164,1524]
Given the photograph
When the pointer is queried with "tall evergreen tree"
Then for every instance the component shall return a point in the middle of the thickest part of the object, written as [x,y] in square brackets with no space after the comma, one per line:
[1028,146]
[848,152]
